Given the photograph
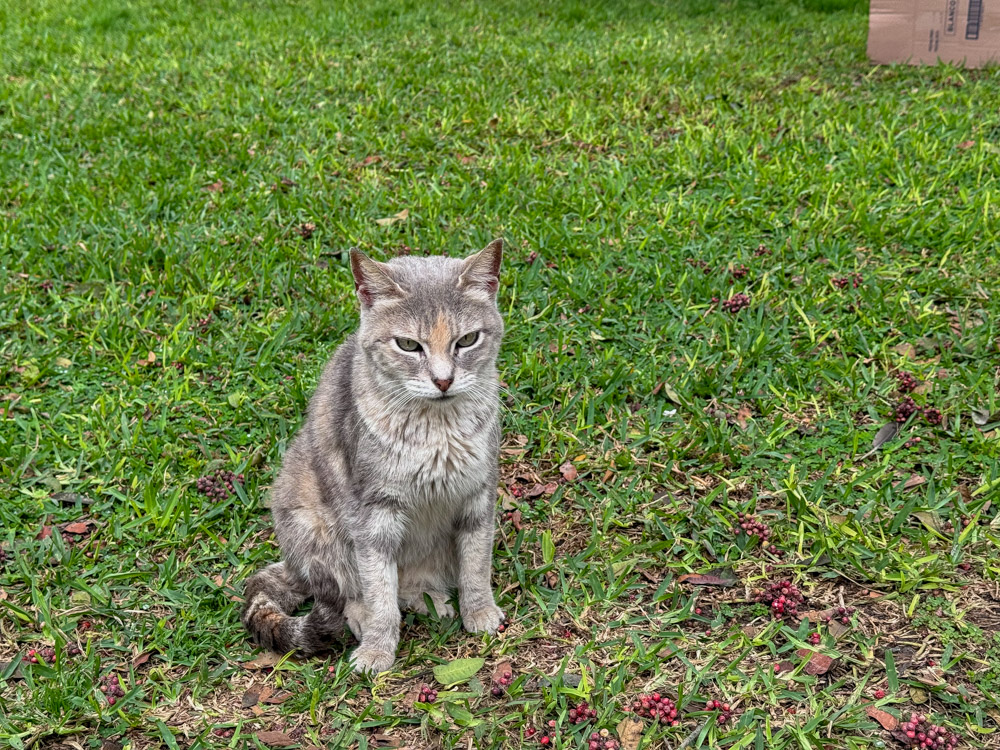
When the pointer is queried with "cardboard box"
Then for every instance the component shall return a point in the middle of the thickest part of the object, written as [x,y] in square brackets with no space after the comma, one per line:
[926,31]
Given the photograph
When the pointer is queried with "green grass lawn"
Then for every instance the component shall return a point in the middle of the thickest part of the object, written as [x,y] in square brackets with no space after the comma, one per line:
[179,182]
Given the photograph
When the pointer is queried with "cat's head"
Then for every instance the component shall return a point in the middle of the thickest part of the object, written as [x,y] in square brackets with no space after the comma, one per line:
[430,327]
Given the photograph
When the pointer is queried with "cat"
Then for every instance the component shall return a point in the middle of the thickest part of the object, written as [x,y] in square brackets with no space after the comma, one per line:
[387,493]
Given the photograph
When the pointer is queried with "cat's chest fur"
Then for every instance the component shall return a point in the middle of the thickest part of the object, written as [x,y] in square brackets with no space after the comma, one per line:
[438,459]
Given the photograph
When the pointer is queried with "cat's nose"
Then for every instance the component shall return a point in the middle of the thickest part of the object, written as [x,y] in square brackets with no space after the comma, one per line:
[443,384]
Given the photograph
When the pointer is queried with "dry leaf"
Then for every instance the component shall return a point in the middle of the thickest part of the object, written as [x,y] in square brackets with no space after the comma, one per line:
[698,579]
[818,663]
[964,145]
[390,220]
[63,362]
[275,700]
[142,658]
[504,667]
[78,527]
[887,720]
[275,739]
[515,520]
[250,698]
[568,471]
[837,629]
[45,533]
[266,660]
[630,733]
[742,415]
[371,159]
[930,520]
[384,740]
[907,351]
[914,480]
[148,360]
[918,695]
[550,488]
[215,187]
[72,498]
[535,491]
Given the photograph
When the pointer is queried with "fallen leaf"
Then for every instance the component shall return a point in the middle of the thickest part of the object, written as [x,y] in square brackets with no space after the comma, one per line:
[266,660]
[818,663]
[982,417]
[884,435]
[914,480]
[837,629]
[630,733]
[918,695]
[63,362]
[549,488]
[45,533]
[250,698]
[78,527]
[706,579]
[669,392]
[907,351]
[535,491]
[887,720]
[568,471]
[742,415]
[930,520]
[371,159]
[390,220]
[515,520]
[149,359]
[504,667]
[215,187]
[275,739]
[265,693]
[142,658]
[965,145]
[384,740]
[277,699]
[607,476]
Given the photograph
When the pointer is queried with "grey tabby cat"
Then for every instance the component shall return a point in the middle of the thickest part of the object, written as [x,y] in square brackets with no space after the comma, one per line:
[388,491]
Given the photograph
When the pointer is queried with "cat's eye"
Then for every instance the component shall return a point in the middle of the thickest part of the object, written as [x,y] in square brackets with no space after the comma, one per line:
[408,345]
[468,339]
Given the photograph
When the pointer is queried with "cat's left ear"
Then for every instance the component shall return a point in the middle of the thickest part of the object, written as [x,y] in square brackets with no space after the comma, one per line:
[482,270]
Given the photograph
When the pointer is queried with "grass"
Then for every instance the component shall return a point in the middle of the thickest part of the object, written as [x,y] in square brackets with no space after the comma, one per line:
[180,182]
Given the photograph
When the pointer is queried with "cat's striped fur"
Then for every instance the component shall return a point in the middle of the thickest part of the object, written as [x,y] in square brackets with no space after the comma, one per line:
[387,493]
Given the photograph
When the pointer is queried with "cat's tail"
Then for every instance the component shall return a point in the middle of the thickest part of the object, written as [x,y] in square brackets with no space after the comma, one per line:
[270,599]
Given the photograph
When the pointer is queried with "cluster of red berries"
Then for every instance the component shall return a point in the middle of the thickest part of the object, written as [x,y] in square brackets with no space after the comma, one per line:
[547,737]
[502,683]
[905,409]
[739,272]
[843,614]
[655,706]
[921,733]
[602,741]
[581,713]
[427,694]
[220,486]
[814,638]
[911,442]
[933,416]
[906,381]
[699,263]
[3,556]
[45,655]
[111,688]
[753,527]
[783,597]
[726,710]
[224,733]
[736,303]
[854,280]
[761,250]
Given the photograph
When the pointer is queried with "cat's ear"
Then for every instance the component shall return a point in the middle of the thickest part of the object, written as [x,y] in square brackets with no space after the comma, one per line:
[372,280]
[482,270]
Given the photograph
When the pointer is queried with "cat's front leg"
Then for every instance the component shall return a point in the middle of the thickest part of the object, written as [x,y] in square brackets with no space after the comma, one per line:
[375,549]
[474,547]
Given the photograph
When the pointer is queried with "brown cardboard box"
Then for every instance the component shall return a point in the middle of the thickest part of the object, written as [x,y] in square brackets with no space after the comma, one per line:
[925,31]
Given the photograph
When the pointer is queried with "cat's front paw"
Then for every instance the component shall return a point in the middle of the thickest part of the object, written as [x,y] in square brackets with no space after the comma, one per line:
[486,619]
[371,660]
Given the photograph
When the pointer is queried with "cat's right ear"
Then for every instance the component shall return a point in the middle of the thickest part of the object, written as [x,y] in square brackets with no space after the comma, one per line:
[372,280]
